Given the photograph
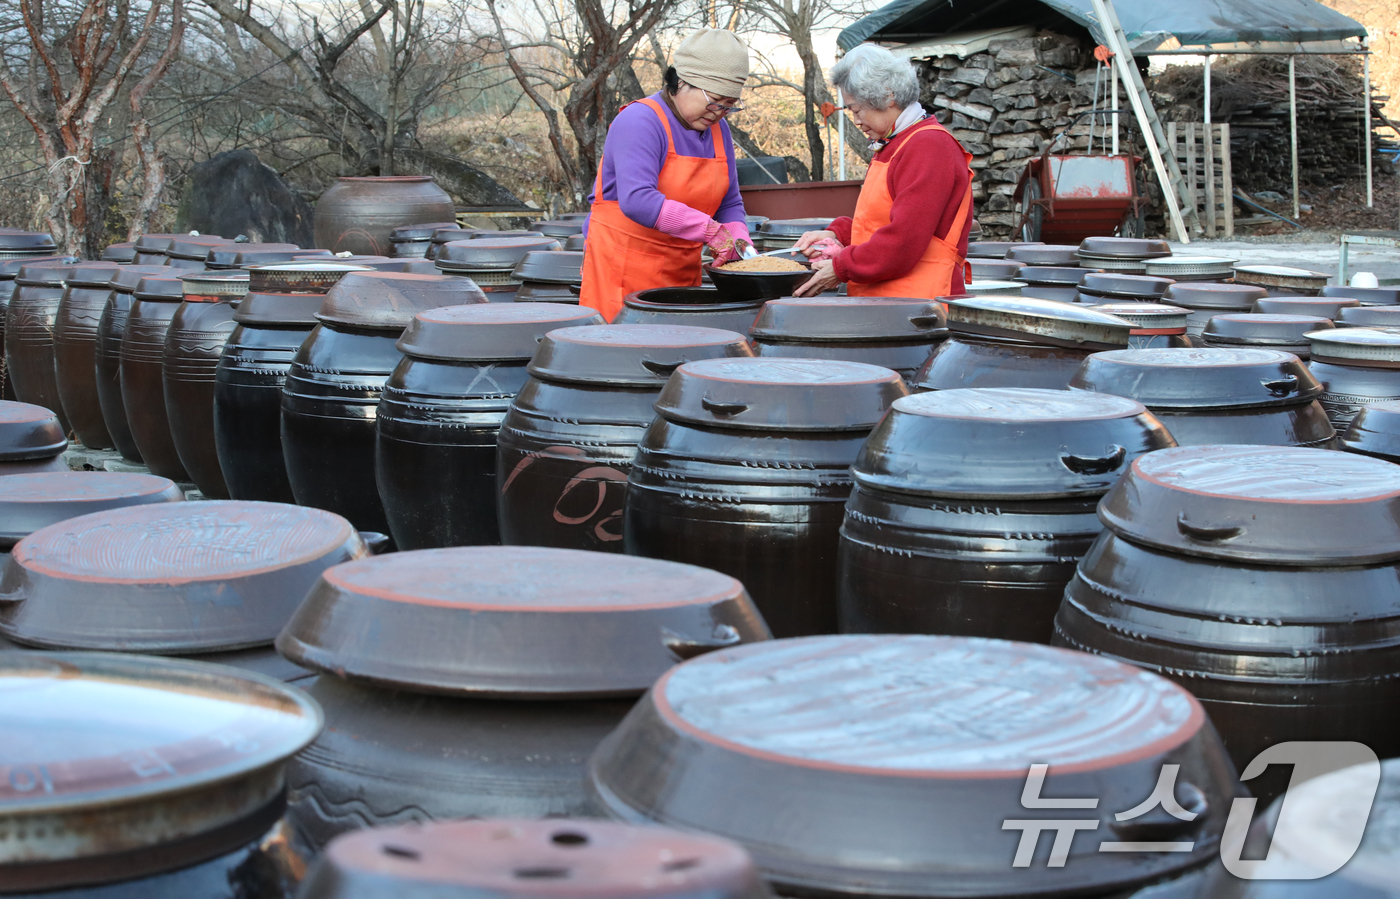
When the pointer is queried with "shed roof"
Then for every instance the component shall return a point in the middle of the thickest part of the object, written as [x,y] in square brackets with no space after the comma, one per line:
[1151,25]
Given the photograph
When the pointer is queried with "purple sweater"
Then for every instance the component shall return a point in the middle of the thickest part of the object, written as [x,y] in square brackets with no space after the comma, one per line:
[636,148]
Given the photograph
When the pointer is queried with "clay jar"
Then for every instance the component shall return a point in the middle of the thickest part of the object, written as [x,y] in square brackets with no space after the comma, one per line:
[332,389]
[75,346]
[269,328]
[1357,367]
[107,355]
[455,683]
[189,252]
[1207,300]
[1266,331]
[569,439]
[29,325]
[192,348]
[359,215]
[997,341]
[598,858]
[155,302]
[1155,325]
[896,333]
[1264,580]
[9,268]
[31,439]
[440,412]
[972,507]
[490,261]
[1375,431]
[702,307]
[747,470]
[190,803]
[1217,394]
[895,766]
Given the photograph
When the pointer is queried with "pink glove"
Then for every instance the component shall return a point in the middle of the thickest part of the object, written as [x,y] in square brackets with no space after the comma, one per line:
[680,220]
[728,242]
[826,248]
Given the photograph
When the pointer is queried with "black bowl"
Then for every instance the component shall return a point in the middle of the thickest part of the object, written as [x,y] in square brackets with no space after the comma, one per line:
[760,285]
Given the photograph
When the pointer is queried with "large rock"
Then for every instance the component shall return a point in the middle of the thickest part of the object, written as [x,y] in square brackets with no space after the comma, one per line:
[234,193]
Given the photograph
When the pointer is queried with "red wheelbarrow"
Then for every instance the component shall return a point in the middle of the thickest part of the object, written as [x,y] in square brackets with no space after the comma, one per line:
[1065,198]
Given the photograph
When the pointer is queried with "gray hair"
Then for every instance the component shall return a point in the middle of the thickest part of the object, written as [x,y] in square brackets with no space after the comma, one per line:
[875,77]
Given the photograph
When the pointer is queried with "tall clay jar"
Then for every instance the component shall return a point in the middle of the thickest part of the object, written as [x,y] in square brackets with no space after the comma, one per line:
[155,302]
[747,470]
[971,508]
[29,324]
[269,329]
[107,355]
[435,456]
[9,269]
[359,215]
[331,394]
[75,344]
[570,436]
[192,349]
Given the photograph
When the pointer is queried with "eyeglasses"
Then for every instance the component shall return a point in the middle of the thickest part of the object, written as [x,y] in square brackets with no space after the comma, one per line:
[719,107]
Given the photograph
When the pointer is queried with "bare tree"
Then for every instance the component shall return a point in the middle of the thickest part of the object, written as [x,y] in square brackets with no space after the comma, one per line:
[71,63]
[582,52]
[152,162]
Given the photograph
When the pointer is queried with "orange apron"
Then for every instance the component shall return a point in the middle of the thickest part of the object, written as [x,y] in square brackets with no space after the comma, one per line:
[621,256]
[932,275]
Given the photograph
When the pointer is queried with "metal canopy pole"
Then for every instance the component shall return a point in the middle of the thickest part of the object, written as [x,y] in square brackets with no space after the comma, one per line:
[1366,123]
[1113,79]
[1293,126]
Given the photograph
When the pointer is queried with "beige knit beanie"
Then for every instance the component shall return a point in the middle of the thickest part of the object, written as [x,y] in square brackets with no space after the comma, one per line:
[714,60]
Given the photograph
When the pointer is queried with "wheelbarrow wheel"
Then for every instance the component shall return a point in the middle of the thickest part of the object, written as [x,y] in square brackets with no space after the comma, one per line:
[1032,213]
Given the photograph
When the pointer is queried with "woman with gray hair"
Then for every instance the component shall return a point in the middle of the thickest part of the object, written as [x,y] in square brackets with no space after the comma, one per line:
[908,237]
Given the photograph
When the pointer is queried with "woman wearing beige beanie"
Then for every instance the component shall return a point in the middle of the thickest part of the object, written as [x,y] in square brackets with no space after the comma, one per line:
[667,184]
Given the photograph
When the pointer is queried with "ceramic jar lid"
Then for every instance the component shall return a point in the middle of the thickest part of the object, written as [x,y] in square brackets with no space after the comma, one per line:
[387,301]
[161,288]
[29,502]
[44,274]
[859,739]
[92,274]
[1363,316]
[486,332]
[1124,247]
[1188,266]
[29,432]
[279,309]
[1264,328]
[1148,318]
[1375,431]
[844,319]
[1231,297]
[1005,443]
[780,394]
[1205,378]
[666,299]
[516,621]
[212,287]
[490,253]
[425,231]
[1276,505]
[631,355]
[124,766]
[994,269]
[980,288]
[126,277]
[1280,276]
[1113,284]
[558,228]
[157,242]
[550,267]
[519,859]
[299,277]
[1038,321]
[120,253]
[1369,296]
[1052,275]
[9,268]
[1319,306]
[995,249]
[192,247]
[235,255]
[1043,254]
[170,577]
[12,239]
[1364,347]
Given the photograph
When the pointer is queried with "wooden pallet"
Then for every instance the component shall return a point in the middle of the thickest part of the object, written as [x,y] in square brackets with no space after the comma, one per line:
[1205,166]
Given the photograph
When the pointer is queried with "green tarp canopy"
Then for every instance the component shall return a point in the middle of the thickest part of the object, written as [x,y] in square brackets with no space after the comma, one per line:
[1150,24]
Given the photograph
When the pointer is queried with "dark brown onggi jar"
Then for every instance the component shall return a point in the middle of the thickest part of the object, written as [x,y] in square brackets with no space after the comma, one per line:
[154,303]
[333,387]
[747,469]
[107,355]
[1155,325]
[9,269]
[1264,580]
[569,439]
[151,248]
[440,412]
[898,765]
[972,507]
[702,307]
[75,350]
[414,241]
[491,261]
[226,257]
[516,858]
[216,579]
[192,349]
[142,776]
[1208,299]
[546,276]
[190,252]
[29,502]
[31,439]
[997,341]
[476,681]
[269,328]
[29,324]
[1286,333]
[1217,394]
[1357,367]
[895,333]
[358,215]
[1375,431]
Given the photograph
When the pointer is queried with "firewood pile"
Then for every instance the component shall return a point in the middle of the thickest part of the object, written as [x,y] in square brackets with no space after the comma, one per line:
[1251,93]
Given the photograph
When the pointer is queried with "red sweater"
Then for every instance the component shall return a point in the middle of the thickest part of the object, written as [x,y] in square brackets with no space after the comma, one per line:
[927,182]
